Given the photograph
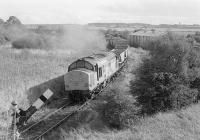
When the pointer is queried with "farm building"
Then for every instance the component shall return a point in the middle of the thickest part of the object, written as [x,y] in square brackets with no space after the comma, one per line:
[139,38]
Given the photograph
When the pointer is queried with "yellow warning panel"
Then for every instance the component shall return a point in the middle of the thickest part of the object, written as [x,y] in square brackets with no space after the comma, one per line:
[48,93]
[38,103]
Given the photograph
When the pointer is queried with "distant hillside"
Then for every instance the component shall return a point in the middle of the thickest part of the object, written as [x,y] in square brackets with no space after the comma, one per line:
[119,24]
[144,25]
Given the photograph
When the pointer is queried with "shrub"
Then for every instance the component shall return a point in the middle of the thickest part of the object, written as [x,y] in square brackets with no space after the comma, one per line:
[194,37]
[182,96]
[119,112]
[153,91]
[169,74]
[197,38]
[34,42]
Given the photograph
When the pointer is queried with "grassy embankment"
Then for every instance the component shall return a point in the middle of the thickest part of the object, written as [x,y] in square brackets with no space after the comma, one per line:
[175,125]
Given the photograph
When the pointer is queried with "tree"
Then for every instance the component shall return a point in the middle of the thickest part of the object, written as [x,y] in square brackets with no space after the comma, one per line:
[167,75]
[120,111]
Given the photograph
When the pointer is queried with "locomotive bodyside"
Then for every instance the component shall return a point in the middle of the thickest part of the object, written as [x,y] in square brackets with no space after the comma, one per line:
[109,67]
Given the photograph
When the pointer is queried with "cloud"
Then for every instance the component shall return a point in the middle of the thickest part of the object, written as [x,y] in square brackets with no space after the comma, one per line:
[84,11]
[183,8]
[154,11]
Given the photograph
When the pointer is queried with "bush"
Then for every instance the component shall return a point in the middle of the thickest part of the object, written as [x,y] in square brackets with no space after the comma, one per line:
[194,37]
[169,74]
[29,42]
[197,38]
[119,112]
[183,96]
[153,91]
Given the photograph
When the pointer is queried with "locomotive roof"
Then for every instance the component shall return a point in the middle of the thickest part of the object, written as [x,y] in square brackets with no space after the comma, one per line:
[83,70]
[99,58]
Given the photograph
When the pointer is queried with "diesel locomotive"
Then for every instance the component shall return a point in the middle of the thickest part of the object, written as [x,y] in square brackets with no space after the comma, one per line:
[87,75]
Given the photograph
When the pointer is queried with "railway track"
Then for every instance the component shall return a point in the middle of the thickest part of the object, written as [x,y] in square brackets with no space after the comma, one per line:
[57,117]
[30,131]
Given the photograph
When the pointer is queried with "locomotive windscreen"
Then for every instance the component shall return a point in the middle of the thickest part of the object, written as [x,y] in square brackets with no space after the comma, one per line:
[80,64]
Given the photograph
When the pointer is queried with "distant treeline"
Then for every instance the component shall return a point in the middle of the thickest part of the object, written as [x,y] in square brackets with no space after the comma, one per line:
[145,25]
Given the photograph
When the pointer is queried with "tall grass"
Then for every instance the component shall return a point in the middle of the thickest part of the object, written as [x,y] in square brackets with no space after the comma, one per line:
[23,69]
[175,125]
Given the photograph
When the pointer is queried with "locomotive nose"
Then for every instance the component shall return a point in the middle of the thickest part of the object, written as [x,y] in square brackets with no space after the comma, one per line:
[76,80]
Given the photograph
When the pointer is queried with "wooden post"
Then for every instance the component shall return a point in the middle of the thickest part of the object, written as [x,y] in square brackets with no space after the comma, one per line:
[14,127]
[7,127]
[15,133]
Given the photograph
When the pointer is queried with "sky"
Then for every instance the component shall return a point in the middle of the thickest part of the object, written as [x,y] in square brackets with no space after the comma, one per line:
[87,11]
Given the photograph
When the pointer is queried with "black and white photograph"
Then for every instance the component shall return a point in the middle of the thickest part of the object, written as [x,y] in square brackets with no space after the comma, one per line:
[99,70]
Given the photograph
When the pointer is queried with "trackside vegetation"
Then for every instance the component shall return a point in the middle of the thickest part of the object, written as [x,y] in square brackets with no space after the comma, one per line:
[120,112]
[170,78]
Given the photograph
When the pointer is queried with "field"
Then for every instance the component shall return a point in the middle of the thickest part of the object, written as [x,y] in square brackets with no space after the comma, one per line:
[24,68]
[26,73]
[180,31]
